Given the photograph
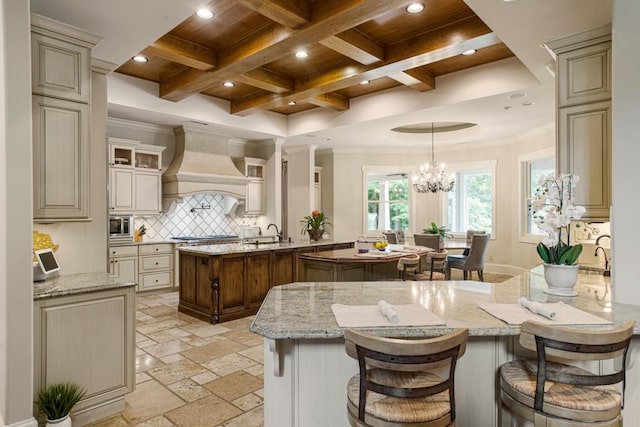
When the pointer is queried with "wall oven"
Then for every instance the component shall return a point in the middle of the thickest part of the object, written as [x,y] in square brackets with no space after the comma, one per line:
[121,227]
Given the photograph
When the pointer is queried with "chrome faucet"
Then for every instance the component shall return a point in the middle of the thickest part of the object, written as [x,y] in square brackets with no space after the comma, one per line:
[278,233]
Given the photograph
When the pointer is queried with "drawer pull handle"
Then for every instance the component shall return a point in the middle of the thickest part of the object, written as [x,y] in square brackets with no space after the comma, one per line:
[156,249]
[156,280]
[156,263]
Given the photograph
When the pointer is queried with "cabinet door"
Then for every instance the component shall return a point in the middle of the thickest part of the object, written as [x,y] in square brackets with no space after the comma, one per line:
[126,267]
[584,149]
[232,293]
[257,277]
[60,69]
[253,202]
[283,267]
[60,159]
[121,190]
[584,75]
[148,193]
[317,197]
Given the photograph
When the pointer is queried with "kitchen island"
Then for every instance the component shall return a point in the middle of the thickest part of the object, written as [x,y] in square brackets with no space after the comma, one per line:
[306,368]
[84,331]
[225,282]
[348,265]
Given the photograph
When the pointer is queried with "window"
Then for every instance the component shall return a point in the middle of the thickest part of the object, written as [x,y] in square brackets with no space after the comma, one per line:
[387,199]
[533,166]
[470,205]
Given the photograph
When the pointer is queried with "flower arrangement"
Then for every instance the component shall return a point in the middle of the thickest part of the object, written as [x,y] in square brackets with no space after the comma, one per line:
[315,221]
[553,210]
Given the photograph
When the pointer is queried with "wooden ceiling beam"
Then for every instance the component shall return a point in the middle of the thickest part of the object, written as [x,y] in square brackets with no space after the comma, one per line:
[330,17]
[289,13]
[425,49]
[183,52]
[355,45]
[267,80]
[417,79]
[334,101]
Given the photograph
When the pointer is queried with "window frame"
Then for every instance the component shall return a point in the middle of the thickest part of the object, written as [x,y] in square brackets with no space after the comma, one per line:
[524,184]
[469,167]
[366,170]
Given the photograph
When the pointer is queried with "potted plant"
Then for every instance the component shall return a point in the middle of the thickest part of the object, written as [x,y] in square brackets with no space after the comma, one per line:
[314,224]
[57,400]
[553,210]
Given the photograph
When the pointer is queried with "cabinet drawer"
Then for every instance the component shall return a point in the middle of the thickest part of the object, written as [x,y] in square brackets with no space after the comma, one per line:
[155,280]
[157,262]
[115,251]
[156,248]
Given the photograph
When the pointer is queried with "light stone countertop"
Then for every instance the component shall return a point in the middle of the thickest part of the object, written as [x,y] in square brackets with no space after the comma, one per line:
[303,310]
[70,284]
[221,249]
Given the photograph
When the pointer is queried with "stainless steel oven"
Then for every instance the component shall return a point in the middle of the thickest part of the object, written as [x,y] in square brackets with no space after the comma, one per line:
[121,226]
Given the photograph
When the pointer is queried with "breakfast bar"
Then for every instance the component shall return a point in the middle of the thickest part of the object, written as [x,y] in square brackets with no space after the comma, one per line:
[306,368]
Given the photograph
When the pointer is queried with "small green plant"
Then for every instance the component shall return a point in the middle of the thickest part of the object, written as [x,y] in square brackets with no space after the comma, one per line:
[315,221]
[57,400]
[434,229]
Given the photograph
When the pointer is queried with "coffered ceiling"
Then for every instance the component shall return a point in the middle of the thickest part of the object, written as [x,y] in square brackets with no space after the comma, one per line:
[251,43]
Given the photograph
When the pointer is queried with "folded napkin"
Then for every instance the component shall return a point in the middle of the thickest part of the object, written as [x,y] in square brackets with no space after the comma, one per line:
[389,311]
[537,308]
[415,248]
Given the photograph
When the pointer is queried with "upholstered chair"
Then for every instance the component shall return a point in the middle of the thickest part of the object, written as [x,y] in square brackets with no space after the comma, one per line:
[408,265]
[551,392]
[391,236]
[402,381]
[472,262]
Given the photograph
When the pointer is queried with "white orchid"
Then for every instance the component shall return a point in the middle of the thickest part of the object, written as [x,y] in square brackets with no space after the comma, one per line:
[553,210]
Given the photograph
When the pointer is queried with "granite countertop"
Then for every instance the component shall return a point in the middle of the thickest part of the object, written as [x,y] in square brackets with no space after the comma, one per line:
[303,310]
[70,284]
[221,249]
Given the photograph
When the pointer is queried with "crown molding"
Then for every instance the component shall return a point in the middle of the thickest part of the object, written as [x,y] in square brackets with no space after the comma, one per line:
[148,127]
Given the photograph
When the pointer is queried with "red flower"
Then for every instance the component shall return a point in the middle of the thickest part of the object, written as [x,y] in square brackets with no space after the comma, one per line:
[315,213]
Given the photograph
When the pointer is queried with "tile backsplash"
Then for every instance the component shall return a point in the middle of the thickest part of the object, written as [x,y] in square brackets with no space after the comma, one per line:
[200,222]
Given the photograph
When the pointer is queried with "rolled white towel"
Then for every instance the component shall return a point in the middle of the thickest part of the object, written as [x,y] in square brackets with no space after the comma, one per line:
[537,308]
[388,311]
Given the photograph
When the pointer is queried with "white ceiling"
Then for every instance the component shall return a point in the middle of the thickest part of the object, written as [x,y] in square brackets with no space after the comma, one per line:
[478,95]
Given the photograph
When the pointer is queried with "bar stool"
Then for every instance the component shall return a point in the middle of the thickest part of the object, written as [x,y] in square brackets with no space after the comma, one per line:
[395,386]
[408,264]
[554,394]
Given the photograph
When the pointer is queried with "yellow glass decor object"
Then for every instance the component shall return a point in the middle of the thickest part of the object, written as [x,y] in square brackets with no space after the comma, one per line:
[42,241]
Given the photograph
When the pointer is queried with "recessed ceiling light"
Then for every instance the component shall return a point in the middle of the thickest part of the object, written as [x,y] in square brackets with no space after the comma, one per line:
[228,84]
[528,103]
[140,58]
[364,82]
[469,52]
[517,95]
[415,8]
[204,14]
[507,107]
[291,103]
[301,54]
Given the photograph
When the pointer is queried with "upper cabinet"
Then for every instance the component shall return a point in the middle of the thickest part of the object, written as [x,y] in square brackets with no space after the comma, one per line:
[61,86]
[317,188]
[583,93]
[255,169]
[135,177]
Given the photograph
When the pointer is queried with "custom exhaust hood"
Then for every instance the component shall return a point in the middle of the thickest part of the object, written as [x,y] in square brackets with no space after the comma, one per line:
[201,164]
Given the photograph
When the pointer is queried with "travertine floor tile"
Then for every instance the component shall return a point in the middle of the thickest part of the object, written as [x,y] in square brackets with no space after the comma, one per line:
[234,386]
[228,364]
[246,337]
[255,353]
[247,402]
[160,421]
[253,418]
[205,377]
[189,390]
[158,326]
[172,358]
[196,341]
[173,372]
[212,351]
[256,371]
[145,343]
[149,400]
[142,377]
[208,411]
[145,361]
[166,348]
[204,330]
[239,324]
[116,421]
[260,393]
[158,311]
[168,334]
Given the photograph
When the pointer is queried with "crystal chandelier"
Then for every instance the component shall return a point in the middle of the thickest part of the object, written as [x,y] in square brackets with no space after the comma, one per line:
[432,177]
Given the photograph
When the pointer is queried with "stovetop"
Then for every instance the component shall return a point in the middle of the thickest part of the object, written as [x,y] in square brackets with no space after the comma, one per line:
[207,237]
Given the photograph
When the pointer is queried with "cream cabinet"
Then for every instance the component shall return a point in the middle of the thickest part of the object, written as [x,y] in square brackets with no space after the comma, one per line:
[148,179]
[583,92]
[121,190]
[89,339]
[60,159]
[253,168]
[317,188]
[61,87]
[156,266]
[123,262]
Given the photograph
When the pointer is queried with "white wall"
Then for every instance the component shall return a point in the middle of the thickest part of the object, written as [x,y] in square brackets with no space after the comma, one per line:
[300,167]
[504,249]
[625,151]
[16,288]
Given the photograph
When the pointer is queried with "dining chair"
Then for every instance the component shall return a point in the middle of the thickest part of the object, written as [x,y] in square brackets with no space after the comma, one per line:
[470,234]
[437,264]
[430,241]
[401,381]
[552,393]
[391,236]
[472,262]
[409,264]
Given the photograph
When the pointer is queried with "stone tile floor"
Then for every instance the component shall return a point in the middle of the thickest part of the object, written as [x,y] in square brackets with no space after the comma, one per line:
[190,373]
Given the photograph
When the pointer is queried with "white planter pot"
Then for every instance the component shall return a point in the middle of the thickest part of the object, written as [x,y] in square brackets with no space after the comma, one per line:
[60,422]
[561,279]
